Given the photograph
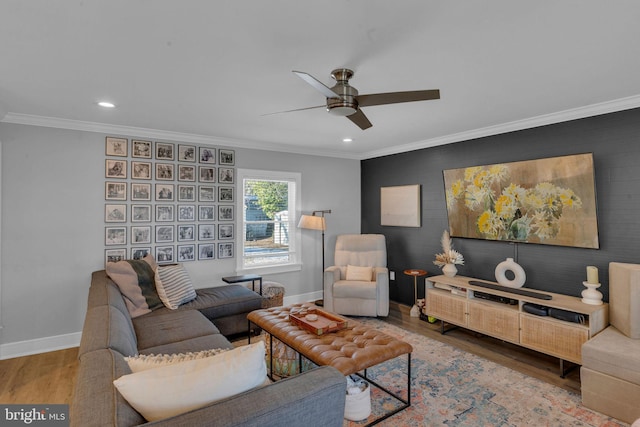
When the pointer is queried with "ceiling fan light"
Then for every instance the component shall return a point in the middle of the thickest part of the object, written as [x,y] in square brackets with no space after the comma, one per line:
[342,111]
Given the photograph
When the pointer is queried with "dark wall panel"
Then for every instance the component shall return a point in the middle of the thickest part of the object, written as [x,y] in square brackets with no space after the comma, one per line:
[614,140]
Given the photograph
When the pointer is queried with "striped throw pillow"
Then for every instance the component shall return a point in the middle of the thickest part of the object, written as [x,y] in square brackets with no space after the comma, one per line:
[174,286]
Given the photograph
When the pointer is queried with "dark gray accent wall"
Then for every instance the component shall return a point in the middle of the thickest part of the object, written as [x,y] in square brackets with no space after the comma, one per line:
[614,140]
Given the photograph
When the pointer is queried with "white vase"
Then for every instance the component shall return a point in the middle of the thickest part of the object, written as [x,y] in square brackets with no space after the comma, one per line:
[519,275]
[450,270]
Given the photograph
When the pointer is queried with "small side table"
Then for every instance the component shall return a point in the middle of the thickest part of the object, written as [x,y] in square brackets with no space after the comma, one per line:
[244,278]
[415,310]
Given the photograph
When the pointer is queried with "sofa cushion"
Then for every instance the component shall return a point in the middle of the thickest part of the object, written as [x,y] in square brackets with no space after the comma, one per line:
[174,287]
[611,352]
[222,301]
[195,383]
[107,327]
[171,327]
[205,342]
[362,274]
[136,281]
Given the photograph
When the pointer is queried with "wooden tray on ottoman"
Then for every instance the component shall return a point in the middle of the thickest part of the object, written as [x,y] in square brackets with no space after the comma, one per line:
[326,323]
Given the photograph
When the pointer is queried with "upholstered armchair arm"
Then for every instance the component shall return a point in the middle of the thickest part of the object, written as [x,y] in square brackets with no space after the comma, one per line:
[382,286]
[331,275]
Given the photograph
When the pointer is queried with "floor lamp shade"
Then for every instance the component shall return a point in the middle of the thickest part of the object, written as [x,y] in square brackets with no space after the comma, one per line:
[312,222]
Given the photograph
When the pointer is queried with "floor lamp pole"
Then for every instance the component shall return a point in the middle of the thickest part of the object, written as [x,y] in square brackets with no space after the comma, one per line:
[320,302]
[316,221]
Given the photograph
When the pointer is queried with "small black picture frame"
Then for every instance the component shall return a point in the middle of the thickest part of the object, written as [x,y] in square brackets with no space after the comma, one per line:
[226,157]
[141,149]
[164,151]
[207,251]
[165,254]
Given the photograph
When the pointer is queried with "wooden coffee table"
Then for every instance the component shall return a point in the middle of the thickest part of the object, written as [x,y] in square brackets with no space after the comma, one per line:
[351,350]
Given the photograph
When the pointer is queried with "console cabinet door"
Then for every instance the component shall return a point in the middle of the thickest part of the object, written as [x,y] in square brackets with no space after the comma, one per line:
[497,321]
[447,307]
[560,339]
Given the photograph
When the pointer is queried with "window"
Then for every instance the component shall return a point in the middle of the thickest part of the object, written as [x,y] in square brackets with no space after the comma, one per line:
[268,240]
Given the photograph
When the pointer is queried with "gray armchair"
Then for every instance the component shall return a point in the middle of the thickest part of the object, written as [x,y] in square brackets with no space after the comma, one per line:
[358,283]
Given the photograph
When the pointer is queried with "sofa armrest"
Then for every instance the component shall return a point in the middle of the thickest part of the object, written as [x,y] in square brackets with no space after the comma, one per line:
[315,397]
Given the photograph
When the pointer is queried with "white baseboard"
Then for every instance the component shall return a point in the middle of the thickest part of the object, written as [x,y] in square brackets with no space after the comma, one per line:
[40,345]
[295,299]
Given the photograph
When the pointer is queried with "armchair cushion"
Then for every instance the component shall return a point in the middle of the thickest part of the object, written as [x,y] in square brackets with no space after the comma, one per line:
[355,289]
[355,272]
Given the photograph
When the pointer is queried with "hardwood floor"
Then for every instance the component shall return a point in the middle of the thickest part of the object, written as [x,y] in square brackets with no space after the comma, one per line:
[50,377]
[42,378]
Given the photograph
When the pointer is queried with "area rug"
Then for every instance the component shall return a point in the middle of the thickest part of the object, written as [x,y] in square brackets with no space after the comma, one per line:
[450,387]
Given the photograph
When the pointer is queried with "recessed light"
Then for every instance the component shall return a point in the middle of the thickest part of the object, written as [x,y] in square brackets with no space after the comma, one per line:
[347,140]
[107,104]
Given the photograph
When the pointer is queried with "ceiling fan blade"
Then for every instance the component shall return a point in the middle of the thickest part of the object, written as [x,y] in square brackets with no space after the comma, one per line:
[397,97]
[316,84]
[297,109]
[360,120]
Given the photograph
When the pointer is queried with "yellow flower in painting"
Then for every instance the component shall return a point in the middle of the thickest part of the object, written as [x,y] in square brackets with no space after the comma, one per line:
[498,172]
[480,179]
[484,222]
[569,199]
[470,173]
[533,200]
[515,192]
[502,206]
[457,188]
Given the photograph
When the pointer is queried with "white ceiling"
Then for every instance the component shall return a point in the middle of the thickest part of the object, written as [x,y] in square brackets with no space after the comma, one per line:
[210,70]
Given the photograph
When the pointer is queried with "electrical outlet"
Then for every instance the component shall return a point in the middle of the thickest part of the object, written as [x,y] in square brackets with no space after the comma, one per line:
[392,275]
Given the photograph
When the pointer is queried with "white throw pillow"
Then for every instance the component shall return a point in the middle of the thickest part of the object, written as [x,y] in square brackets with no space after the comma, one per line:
[174,287]
[174,389]
[359,273]
[142,362]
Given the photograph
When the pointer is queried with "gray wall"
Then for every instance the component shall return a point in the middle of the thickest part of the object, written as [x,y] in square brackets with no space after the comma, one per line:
[53,229]
[614,141]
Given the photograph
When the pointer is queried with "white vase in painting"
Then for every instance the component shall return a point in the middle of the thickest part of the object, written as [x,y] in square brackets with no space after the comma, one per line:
[450,270]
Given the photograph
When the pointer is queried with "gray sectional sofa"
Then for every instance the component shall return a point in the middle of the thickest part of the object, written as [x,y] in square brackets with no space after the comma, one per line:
[314,398]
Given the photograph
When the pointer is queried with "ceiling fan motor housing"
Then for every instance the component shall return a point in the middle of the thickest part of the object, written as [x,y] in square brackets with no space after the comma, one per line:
[346,104]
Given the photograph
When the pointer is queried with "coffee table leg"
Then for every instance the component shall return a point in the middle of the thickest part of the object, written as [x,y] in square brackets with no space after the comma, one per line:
[406,403]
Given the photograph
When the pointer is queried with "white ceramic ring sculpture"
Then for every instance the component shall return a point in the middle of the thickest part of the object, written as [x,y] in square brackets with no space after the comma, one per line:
[515,268]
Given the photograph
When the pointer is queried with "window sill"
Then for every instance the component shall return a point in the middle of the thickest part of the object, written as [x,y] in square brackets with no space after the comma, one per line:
[275,269]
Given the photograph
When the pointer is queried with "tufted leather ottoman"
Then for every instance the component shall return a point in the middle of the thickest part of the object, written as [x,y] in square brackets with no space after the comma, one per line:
[350,350]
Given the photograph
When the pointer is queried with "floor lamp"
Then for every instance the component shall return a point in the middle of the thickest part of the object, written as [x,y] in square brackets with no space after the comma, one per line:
[316,221]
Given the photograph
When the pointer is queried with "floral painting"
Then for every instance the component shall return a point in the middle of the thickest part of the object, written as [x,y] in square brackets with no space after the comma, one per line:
[549,201]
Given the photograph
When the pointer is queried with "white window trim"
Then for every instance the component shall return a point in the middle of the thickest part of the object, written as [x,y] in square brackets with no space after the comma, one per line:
[294,243]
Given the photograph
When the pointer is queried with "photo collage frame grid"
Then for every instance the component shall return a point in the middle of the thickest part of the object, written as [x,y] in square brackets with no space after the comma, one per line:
[169,199]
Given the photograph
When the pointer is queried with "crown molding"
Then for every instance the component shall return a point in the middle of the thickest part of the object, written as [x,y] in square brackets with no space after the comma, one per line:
[158,134]
[532,122]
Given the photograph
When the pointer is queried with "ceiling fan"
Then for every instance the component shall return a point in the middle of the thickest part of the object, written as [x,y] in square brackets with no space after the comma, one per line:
[344,100]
